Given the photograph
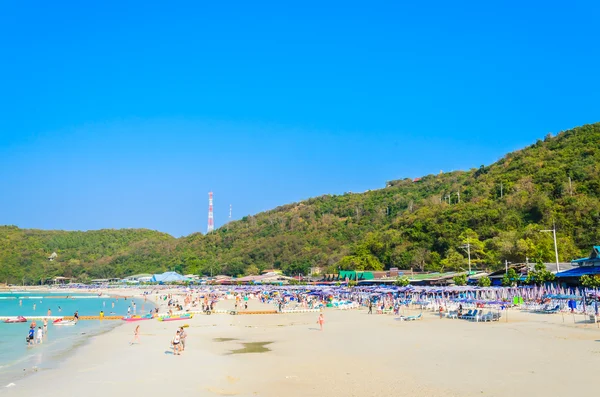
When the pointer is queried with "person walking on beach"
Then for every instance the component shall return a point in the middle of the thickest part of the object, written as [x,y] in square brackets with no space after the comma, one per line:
[31,336]
[441,312]
[136,335]
[40,336]
[321,321]
[176,342]
[45,326]
[370,307]
[182,336]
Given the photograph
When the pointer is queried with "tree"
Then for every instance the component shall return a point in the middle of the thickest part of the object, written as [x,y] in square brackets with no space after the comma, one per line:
[511,278]
[453,260]
[539,275]
[590,281]
[484,281]
[402,281]
[460,279]
[360,262]
[251,270]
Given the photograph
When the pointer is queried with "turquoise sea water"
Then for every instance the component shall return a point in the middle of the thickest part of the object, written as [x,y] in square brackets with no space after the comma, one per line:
[17,359]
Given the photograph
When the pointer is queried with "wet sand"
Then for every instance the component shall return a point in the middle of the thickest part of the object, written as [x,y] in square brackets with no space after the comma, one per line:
[356,355]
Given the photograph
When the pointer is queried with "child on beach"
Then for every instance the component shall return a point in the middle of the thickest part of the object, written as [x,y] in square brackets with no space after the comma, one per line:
[40,336]
[30,336]
[321,320]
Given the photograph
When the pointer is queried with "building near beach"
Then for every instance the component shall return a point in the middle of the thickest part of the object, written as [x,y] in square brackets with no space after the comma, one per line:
[589,266]
[168,277]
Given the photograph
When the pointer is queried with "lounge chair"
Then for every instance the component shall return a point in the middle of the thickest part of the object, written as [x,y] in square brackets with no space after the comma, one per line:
[468,314]
[410,318]
[555,309]
[472,316]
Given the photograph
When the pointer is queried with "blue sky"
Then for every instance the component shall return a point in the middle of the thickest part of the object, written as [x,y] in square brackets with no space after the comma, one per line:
[125,115]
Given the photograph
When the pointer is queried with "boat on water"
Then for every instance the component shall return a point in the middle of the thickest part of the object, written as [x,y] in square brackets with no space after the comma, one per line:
[19,319]
[64,322]
[175,318]
[137,318]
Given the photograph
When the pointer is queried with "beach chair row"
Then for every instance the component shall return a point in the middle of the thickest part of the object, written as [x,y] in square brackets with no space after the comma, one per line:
[475,315]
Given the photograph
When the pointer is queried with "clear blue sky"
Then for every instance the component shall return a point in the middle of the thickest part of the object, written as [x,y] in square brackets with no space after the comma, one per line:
[125,114]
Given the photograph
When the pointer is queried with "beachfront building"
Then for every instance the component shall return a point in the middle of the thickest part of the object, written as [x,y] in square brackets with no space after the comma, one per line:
[589,266]
[168,277]
[61,280]
[268,278]
[138,278]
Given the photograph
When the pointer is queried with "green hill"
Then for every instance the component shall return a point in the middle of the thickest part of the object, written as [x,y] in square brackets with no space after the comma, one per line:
[408,224]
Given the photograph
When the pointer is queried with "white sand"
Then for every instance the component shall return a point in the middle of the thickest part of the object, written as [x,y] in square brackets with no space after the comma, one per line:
[357,355]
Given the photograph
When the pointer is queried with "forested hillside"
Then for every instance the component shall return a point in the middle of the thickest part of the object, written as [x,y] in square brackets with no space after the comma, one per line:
[498,209]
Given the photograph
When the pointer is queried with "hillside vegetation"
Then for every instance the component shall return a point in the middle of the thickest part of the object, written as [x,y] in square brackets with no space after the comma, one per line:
[498,209]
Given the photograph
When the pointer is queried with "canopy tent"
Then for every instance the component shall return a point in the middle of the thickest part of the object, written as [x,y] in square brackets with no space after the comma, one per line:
[167,277]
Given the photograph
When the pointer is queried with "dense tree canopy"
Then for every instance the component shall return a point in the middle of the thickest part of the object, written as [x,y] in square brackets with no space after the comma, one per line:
[498,210]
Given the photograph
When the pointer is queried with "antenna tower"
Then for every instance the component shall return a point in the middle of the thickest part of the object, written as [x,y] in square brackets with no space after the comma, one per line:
[211,222]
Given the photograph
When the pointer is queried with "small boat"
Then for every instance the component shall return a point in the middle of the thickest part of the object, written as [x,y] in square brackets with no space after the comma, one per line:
[19,319]
[175,318]
[65,322]
[137,318]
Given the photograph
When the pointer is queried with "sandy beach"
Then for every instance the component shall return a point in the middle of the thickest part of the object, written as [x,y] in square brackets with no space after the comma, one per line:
[356,355]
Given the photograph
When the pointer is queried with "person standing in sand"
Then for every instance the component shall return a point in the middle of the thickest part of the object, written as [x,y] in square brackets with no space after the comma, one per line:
[321,321]
[176,342]
[136,335]
[182,336]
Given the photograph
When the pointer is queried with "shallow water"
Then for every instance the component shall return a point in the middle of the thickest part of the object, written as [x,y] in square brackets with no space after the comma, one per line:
[18,359]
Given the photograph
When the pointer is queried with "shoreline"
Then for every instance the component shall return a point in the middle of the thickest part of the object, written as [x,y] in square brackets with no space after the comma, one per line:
[357,354]
[52,355]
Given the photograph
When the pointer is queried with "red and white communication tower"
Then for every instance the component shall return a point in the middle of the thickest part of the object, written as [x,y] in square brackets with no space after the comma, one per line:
[211,222]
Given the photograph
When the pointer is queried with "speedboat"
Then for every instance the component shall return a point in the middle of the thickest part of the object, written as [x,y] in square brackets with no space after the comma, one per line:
[19,319]
[65,322]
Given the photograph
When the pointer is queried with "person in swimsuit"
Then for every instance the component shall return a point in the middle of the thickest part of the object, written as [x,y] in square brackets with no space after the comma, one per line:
[176,342]
[45,326]
[321,321]
[136,335]
[182,336]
